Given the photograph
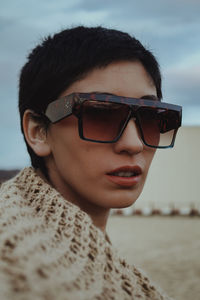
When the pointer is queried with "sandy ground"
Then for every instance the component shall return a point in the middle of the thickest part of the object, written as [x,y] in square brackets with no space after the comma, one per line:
[166,248]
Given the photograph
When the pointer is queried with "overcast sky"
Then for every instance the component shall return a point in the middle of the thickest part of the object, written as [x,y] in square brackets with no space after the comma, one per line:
[169,28]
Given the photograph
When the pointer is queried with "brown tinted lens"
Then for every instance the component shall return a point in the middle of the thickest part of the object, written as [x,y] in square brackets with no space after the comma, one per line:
[103,121]
[158,125]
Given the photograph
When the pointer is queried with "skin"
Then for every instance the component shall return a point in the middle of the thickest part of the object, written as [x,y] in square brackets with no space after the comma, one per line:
[78,168]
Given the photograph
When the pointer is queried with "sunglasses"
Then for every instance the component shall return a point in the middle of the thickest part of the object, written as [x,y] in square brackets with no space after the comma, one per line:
[102,118]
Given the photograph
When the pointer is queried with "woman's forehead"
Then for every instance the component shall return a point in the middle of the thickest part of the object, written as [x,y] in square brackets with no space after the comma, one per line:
[128,79]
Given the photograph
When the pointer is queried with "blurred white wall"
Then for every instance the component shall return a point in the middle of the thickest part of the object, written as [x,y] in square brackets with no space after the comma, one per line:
[174,176]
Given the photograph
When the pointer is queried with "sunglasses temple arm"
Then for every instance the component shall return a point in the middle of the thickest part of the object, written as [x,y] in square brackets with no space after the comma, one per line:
[60,109]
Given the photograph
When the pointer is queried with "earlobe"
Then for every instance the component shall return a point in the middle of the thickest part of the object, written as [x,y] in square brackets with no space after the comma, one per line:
[35,135]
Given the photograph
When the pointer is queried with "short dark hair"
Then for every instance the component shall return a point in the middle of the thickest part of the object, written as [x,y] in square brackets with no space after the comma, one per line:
[69,55]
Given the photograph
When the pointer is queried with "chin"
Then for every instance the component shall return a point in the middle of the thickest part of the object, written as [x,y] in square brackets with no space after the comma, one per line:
[127,198]
[123,202]
[116,199]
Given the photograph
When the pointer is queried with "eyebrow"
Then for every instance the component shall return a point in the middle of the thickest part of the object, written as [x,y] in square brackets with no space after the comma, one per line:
[150,97]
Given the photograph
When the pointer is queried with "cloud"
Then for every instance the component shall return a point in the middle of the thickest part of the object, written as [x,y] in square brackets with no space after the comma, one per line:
[183,80]
[163,12]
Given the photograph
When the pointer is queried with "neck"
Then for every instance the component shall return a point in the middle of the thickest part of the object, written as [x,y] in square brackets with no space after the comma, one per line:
[98,215]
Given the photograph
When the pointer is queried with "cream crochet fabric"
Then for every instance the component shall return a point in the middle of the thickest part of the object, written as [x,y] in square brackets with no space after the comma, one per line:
[50,249]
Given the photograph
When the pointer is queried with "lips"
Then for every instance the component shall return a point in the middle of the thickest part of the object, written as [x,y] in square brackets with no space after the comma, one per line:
[125,176]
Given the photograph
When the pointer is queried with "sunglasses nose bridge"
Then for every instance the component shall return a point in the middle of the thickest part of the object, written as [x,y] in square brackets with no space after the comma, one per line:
[133,114]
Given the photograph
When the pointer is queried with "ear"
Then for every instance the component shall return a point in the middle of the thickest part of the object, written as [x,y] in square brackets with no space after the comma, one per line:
[35,135]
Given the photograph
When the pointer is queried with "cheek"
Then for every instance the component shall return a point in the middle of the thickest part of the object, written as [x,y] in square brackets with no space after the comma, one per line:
[150,152]
[74,157]
[88,159]
[147,157]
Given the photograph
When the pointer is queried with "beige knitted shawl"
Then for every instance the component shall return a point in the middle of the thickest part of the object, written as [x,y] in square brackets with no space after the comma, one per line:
[50,249]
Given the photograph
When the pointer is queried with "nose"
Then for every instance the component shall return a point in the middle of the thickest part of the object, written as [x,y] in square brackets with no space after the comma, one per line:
[130,141]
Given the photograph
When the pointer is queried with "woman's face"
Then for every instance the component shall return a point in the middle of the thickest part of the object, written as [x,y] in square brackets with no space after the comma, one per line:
[94,175]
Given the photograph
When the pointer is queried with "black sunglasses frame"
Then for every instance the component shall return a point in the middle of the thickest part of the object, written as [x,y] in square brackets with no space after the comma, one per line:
[64,107]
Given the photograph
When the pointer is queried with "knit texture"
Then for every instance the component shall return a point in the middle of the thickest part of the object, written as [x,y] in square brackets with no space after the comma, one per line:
[50,249]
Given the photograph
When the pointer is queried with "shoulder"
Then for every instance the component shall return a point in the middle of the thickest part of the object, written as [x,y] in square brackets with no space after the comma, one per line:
[13,199]
[10,199]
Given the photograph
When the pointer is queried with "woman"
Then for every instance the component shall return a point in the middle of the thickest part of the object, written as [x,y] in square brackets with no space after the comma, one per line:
[89,101]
